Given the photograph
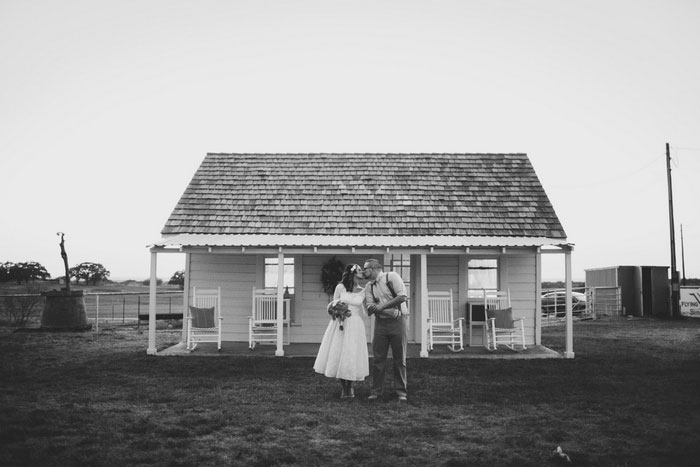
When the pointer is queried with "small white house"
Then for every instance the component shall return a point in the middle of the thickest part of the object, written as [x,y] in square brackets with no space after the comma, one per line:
[465,222]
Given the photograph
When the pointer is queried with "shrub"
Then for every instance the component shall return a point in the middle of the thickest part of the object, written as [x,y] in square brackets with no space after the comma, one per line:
[178,278]
[148,282]
[18,310]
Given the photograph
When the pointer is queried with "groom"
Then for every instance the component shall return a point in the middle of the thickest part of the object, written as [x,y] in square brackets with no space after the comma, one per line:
[385,294]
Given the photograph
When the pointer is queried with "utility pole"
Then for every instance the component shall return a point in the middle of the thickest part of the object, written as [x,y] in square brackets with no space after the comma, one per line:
[682,257]
[675,285]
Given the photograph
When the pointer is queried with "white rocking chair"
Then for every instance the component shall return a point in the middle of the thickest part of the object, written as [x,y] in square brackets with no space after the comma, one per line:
[501,327]
[442,327]
[204,320]
[262,324]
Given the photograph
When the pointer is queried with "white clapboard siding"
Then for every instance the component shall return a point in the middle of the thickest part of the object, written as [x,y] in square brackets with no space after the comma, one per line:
[314,318]
[443,275]
[236,275]
[519,275]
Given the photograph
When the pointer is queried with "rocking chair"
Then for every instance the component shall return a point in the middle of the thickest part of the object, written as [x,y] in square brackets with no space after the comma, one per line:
[262,323]
[442,327]
[204,320]
[501,327]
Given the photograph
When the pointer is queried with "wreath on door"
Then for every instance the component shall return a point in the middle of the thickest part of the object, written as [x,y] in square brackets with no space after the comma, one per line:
[331,275]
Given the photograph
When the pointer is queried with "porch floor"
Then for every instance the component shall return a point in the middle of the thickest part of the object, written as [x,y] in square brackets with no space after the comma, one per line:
[240,349]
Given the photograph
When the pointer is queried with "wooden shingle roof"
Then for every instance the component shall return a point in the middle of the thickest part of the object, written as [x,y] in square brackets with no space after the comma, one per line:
[476,195]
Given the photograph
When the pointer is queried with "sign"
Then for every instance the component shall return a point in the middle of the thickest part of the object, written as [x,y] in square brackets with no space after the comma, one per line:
[690,301]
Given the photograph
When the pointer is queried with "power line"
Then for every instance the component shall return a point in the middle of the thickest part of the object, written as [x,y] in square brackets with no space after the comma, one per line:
[685,149]
[615,178]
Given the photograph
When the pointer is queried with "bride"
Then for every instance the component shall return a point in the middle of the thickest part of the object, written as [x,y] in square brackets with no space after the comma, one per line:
[343,352]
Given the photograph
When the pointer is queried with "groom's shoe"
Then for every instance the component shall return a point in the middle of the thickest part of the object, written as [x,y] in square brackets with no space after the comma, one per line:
[372,397]
[403,399]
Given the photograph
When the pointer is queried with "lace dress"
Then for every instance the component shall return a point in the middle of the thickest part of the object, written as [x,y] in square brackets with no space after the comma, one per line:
[343,354]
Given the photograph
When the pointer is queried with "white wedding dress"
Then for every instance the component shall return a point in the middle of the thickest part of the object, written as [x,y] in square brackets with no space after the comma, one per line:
[343,354]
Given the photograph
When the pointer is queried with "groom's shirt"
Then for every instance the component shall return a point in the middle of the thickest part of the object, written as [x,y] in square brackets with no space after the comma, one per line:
[378,291]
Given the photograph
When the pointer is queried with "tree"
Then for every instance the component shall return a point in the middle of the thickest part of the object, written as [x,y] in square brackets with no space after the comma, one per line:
[5,271]
[23,272]
[89,272]
[64,256]
[178,279]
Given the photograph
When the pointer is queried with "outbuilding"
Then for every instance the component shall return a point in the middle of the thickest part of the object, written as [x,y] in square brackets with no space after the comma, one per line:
[644,291]
[460,222]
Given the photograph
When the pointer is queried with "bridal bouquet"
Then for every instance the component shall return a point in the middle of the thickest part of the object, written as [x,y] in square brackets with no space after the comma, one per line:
[339,310]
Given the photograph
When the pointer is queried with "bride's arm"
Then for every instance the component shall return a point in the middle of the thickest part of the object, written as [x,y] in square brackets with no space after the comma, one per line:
[364,309]
[336,295]
[339,289]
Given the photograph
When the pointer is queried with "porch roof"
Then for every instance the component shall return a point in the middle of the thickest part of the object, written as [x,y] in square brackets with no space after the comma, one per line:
[326,241]
[357,199]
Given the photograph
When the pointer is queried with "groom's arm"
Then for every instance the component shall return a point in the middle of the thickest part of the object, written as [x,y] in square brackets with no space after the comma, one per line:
[390,308]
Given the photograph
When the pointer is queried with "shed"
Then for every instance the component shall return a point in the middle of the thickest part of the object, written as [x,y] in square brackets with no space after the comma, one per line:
[644,290]
[465,222]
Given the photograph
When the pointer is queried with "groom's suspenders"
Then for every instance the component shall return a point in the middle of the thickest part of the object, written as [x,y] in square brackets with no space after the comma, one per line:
[389,286]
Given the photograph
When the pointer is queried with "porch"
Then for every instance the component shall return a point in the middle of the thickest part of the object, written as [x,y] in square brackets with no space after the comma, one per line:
[308,350]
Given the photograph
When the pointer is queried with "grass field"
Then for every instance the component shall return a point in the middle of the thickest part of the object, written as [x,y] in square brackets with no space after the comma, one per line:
[631,397]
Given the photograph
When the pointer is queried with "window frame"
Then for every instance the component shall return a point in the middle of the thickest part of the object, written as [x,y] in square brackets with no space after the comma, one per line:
[479,292]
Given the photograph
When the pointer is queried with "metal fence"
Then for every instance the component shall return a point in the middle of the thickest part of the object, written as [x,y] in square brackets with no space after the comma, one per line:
[127,306]
[604,301]
[600,301]
[100,307]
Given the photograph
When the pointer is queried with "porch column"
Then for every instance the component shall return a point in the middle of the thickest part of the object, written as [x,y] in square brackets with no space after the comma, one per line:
[280,304]
[186,299]
[569,315]
[538,297]
[423,283]
[152,305]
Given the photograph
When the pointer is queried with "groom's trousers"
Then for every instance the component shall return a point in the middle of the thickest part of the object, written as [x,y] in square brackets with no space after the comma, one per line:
[389,333]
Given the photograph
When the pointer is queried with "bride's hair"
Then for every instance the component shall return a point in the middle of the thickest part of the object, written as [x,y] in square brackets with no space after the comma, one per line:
[348,279]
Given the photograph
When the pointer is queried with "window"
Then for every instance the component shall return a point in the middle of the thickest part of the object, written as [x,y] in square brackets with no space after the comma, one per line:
[482,275]
[402,265]
[271,273]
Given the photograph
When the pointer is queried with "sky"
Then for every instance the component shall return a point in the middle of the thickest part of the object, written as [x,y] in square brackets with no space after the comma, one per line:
[107,108]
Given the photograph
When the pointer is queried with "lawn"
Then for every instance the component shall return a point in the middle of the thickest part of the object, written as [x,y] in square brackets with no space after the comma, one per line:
[631,397]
